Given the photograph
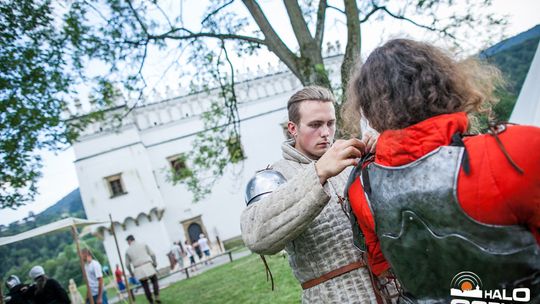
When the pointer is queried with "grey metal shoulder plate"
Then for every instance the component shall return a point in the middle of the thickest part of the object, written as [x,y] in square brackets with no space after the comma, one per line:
[263,183]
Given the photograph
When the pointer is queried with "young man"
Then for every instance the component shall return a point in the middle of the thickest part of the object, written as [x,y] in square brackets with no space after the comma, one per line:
[303,215]
[95,278]
[141,263]
[205,248]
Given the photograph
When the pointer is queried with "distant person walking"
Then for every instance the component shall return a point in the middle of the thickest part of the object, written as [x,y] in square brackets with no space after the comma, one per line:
[94,275]
[46,290]
[119,278]
[141,263]
[191,255]
[178,255]
[205,248]
[197,248]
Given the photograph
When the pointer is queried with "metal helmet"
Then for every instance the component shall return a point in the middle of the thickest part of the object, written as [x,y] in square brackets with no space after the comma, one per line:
[264,182]
[12,281]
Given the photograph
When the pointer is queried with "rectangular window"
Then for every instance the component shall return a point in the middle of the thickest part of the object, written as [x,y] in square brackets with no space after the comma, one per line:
[179,168]
[177,164]
[116,186]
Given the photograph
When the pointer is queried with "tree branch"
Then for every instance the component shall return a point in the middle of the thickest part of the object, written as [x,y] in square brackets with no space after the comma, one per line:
[139,20]
[139,72]
[430,28]
[208,35]
[373,11]
[96,11]
[321,18]
[216,11]
[299,25]
[401,17]
[164,14]
[274,42]
[335,8]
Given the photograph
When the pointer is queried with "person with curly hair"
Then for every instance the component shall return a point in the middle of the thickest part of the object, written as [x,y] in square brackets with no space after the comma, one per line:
[434,200]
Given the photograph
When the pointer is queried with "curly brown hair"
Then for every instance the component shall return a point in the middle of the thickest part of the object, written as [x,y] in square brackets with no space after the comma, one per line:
[404,82]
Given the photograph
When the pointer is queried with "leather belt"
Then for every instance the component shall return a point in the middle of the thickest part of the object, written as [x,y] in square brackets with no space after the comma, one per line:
[332,274]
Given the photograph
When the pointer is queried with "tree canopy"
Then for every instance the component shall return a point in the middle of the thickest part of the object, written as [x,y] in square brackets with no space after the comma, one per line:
[50,50]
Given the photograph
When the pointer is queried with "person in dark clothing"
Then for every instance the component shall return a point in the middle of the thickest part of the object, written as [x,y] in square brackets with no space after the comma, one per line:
[18,293]
[197,248]
[46,290]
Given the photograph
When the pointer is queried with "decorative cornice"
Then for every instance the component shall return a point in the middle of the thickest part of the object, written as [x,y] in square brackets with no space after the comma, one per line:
[158,212]
[178,105]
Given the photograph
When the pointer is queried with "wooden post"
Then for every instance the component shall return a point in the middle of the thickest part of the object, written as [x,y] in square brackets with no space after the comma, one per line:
[126,281]
[219,244]
[1,293]
[76,239]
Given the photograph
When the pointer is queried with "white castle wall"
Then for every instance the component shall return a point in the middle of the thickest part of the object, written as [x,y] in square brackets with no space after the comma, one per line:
[153,132]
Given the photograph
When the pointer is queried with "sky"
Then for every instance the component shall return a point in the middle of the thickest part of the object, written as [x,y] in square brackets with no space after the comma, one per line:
[59,177]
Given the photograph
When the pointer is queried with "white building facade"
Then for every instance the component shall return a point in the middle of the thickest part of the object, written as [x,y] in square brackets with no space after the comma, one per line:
[125,171]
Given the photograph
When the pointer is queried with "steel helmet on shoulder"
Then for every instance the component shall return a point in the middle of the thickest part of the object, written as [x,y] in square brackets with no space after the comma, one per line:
[263,183]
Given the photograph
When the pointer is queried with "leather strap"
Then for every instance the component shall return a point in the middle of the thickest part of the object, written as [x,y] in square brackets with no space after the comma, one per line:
[332,274]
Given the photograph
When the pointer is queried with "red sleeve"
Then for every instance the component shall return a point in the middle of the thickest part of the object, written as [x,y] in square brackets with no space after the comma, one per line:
[360,207]
[495,192]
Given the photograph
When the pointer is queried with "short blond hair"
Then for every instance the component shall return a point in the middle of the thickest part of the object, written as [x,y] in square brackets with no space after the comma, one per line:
[316,93]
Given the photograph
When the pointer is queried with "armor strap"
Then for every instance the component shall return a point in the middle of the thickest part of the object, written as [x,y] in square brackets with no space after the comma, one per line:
[457,141]
[269,276]
[332,274]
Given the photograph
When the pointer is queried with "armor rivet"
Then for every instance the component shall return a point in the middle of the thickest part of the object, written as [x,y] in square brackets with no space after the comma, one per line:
[410,218]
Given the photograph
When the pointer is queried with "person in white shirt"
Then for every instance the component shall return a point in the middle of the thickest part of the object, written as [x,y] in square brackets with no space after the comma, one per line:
[191,255]
[203,244]
[95,278]
[141,263]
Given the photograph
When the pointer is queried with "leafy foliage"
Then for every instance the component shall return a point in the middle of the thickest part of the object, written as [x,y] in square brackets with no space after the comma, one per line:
[31,78]
[49,48]
[36,81]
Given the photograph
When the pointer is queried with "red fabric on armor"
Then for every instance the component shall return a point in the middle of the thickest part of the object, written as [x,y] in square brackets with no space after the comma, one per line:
[493,193]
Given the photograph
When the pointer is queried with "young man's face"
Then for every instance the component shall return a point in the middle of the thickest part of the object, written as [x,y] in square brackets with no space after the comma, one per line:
[86,257]
[315,132]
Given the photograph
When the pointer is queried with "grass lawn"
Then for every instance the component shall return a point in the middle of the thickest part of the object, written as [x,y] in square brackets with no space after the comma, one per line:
[242,281]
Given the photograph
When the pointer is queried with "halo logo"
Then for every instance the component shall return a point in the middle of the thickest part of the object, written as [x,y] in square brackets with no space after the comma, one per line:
[467,284]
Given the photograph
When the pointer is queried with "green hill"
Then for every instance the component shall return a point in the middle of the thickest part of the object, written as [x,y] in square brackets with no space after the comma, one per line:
[55,252]
[513,57]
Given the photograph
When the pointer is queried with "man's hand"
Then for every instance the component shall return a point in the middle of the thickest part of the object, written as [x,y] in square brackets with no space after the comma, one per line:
[370,139]
[99,300]
[342,154]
